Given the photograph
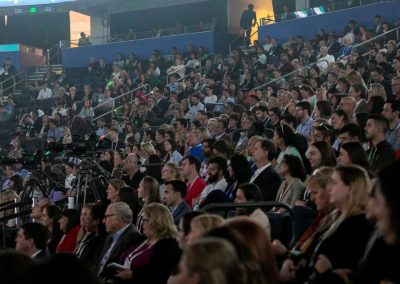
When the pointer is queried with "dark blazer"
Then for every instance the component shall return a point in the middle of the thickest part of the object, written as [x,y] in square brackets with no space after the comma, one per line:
[268,181]
[161,107]
[163,262]
[108,144]
[181,210]
[225,137]
[43,255]
[362,107]
[346,246]
[380,156]
[92,249]
[129,237]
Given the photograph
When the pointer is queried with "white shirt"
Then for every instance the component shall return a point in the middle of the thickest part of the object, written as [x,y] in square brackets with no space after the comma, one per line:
[219,185]
[61,111]
[210,99]
[258,172]
[36,253]
[69,180]
[45,94]
[324,61]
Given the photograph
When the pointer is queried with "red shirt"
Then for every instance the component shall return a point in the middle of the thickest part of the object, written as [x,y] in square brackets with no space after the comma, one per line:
[194,190]
[68,241]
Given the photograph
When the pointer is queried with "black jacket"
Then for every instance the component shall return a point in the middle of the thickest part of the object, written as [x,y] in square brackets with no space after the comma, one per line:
[129,237]
[268,181]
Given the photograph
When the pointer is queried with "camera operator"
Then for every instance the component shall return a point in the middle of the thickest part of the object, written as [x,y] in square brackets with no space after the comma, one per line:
[114,143]
[70,171]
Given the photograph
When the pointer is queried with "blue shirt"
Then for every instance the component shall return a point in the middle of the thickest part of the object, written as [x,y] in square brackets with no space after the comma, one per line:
[197,152]
[305,128]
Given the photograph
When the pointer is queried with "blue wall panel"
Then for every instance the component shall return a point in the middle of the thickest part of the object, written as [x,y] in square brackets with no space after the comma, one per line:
[79,57]
[335,21]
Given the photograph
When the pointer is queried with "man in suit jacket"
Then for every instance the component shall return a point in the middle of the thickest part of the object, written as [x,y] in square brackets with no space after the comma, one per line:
[265,176]
[31,240]
[220,131]
[103,71]
[162,103]
[122,235]
[174,198]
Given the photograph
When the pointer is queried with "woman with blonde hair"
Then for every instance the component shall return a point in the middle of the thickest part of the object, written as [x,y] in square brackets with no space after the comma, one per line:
[148,192]
[202,224]
[350,231]
[203,133]
[156,258]
[147,149]
[317,185]
[354,77]
[376,89]
[67,137]
[212,261]
[171,171]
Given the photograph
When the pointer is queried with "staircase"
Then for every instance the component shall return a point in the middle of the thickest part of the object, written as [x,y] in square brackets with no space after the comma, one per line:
[41,71]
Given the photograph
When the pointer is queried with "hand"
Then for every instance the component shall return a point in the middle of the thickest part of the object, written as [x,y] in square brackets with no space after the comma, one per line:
[124,274]
[288,271]
[323,264]
[278,248]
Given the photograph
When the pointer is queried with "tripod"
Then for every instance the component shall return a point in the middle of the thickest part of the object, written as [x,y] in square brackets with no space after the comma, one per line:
[84,183]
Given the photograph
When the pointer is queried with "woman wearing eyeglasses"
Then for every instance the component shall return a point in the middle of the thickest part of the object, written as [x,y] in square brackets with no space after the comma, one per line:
[157,257]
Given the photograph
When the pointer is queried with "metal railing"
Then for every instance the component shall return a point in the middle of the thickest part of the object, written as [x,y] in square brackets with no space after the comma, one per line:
[188,65]
[114,99]
[170,31]
[241,37]
[16,79]
[288,74]
[53,52]
[228,207]
[397,30]
[330,7]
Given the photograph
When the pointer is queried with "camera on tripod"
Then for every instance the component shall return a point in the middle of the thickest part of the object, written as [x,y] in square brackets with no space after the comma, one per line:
[77,147]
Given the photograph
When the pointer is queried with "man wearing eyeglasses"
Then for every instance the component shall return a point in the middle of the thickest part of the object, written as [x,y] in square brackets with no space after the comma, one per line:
[303,111]
[122,235]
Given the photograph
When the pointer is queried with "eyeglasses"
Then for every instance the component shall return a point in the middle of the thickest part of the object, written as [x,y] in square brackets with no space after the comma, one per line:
[109,215]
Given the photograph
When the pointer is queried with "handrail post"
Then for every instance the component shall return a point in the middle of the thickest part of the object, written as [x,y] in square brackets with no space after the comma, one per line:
[48,57]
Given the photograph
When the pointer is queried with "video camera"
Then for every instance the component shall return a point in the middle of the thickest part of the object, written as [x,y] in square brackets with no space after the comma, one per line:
[78,147]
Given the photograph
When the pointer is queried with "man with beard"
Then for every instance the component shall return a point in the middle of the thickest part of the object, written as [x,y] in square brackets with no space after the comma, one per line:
[381,152]
[208,154]
[216,183]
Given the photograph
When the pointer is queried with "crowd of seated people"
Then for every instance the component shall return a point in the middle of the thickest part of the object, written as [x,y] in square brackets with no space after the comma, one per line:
[254,127]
